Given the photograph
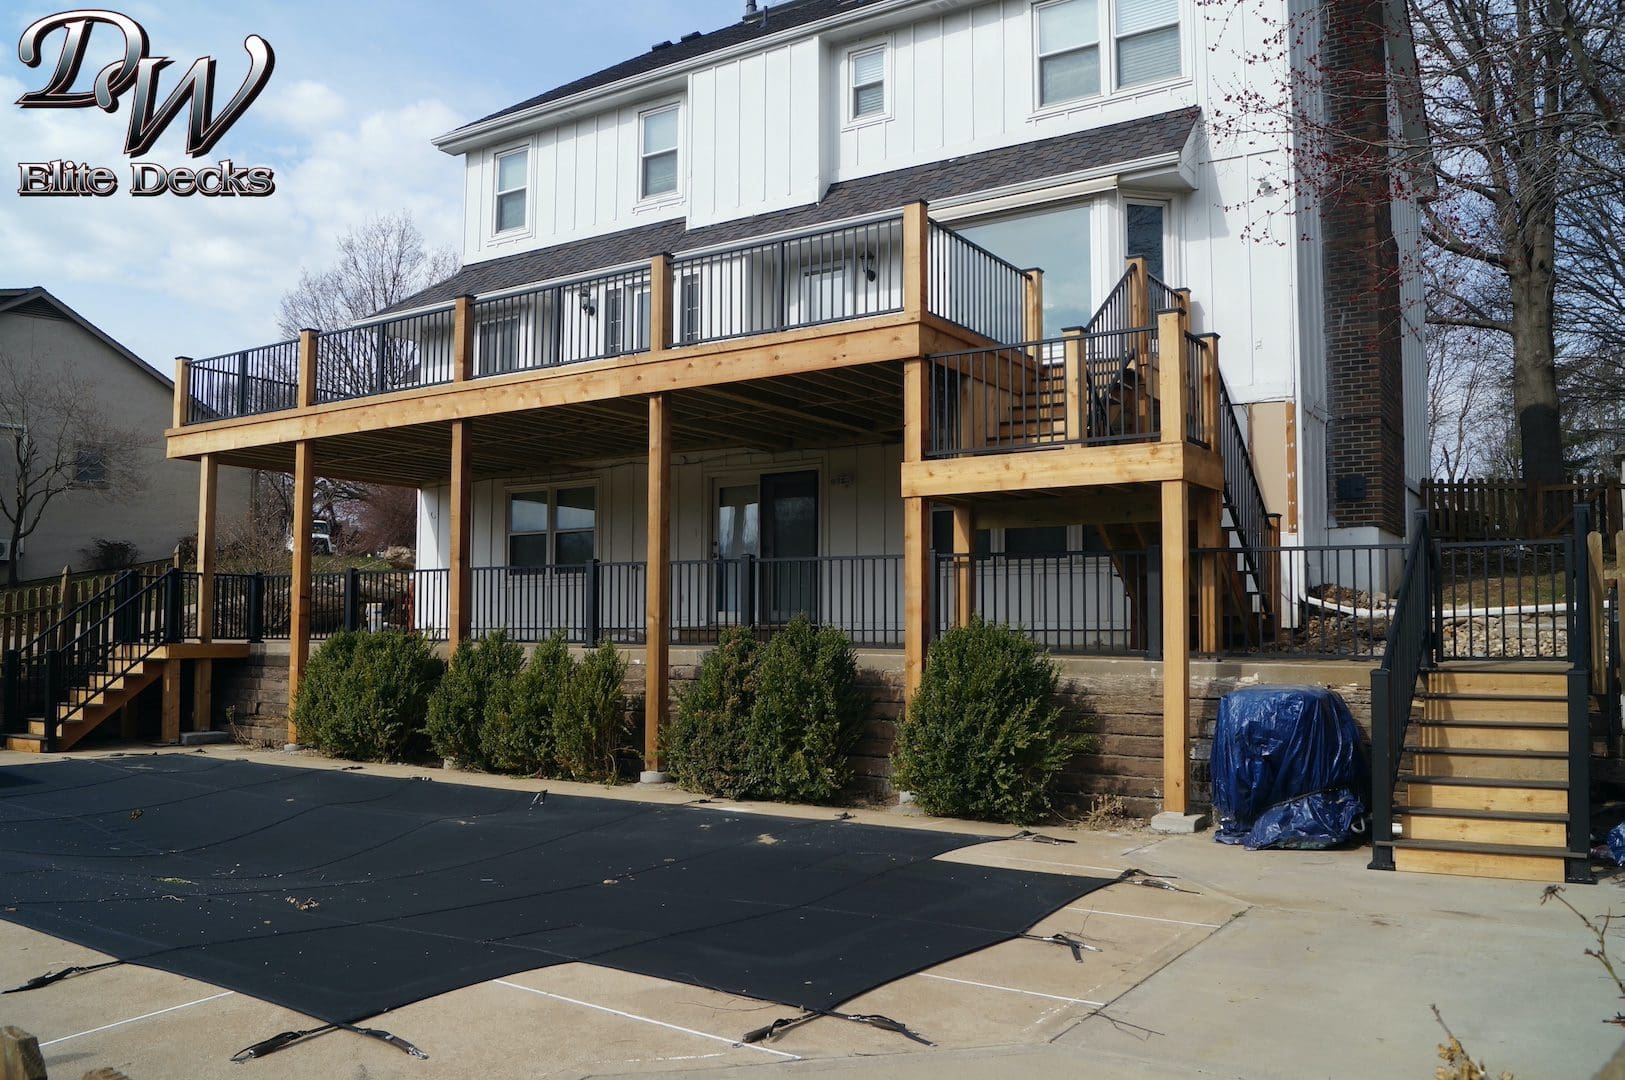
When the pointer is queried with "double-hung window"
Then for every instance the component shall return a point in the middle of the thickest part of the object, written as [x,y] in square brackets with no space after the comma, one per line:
[513,180]
[1147,41]
[867,75]
[552,528]
[1068,50]
[658,152]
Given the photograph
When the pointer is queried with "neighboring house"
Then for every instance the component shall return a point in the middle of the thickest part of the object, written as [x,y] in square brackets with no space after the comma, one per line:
[36,327]
[889,312]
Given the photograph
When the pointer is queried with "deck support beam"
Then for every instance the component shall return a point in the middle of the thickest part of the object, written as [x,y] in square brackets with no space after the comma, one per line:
[304,493]
[459,608]
[657,626]
[1209,535]
[964,565]
[207,533]
[1176,646]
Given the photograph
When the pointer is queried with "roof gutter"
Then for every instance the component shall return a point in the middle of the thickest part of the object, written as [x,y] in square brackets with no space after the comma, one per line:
[459,140]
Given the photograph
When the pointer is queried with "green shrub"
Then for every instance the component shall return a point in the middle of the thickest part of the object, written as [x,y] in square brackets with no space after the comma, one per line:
[807,716]
[457,710]
[517,736]
[589,721]
[773,721]
[365,696]
[707,747]
[982,737]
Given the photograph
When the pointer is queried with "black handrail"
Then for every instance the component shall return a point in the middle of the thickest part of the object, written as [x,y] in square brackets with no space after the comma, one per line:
[1577,858]
[1242,498]
[1408,651]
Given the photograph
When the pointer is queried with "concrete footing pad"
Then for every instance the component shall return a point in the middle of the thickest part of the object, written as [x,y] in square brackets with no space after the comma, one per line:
[651,776]
[1170,822]
[204,738]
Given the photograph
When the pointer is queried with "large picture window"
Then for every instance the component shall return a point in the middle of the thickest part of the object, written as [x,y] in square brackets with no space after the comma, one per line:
[557,527]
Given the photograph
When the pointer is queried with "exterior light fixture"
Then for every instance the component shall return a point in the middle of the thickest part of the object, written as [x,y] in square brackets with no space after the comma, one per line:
[588,308]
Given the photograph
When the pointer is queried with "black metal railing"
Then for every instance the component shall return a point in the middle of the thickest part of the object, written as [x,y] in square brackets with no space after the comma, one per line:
[1577,863]
[1409,649]
[986,400]
[588,603]
[860,595]
[1162,296]
[1243,499]
[970,286]
[246,383]
[1329,601]
[1505,600]
[590,318]
[1117,311]
[1196,386]
[833,275]
[1077,602]
[382,357]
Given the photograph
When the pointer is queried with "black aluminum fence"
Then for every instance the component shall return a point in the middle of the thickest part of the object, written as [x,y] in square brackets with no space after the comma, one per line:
[1117,312]
[823,277]
[259,607]
[1505,599]
[593,318]
[974,288]
[1243,500]
[246,383]
[1407,652]
[1162,296]
[1079,602]
[588,604]
[1120,375]
[860,595]
[1196,384]
[382,357]
[1330,601]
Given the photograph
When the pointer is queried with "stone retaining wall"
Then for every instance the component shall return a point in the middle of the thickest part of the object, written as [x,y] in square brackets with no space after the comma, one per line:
[1118,701]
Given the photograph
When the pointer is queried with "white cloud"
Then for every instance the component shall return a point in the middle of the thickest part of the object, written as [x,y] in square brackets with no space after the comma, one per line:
[300,106]
[194,276]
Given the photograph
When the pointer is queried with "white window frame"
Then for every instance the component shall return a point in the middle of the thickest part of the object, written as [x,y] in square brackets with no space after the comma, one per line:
[1039,56]
[1171,268]
[552,492]
[850,86]
[497,191]
[1178,23]
[646,198]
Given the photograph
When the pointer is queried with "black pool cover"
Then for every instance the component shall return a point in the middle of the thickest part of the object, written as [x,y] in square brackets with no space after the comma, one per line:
[342,896]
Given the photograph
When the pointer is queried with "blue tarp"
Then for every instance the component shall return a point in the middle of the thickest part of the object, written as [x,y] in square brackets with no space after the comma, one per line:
[1288,769]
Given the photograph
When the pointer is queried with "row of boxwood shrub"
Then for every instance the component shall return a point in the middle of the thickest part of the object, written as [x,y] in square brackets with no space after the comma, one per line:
[982,738]
[385,697]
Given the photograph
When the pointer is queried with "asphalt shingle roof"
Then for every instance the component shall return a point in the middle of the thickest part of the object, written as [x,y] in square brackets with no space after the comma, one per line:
[772,20]
[964,175]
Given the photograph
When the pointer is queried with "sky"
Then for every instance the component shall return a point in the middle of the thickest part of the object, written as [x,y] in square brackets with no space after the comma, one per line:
[357,93]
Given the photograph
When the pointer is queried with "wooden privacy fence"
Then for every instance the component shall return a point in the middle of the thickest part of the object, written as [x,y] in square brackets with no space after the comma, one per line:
[1515,510]
[28,610]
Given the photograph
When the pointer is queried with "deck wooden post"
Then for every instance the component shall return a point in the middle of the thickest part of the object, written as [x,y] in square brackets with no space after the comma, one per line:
[657,576]
[1209,535]
[1076,395]
[964,565]
[181,391]
[171,730]
[462,339]
[662,304]
[1032,312]
[917,569]
[916,260]
[1211,381]
[1176,645]
[459,606]
[203,668]
[304,493]
[1171,384]
[308,343]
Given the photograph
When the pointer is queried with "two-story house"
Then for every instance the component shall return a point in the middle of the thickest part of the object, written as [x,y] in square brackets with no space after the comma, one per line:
[889,312]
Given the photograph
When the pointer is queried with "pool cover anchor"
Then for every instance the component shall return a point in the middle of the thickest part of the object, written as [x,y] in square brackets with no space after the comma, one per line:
[284,1039]
[1151,881]
[57,976]
[1076,944]
[783,1024]
[1040,838]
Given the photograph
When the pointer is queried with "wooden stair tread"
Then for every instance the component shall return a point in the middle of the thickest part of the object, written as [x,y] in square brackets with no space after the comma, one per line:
[1469,847]
[1545,755]
[1497,725]
[1498,782]
[1452,695]
[1480,815]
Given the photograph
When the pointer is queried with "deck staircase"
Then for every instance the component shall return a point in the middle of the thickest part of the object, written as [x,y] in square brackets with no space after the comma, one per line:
[92,664]
[1484,781]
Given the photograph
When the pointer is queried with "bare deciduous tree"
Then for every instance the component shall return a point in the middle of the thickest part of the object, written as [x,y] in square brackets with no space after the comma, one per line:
[60,439]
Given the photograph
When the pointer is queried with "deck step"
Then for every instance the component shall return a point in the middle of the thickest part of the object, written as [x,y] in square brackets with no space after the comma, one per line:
[1484,763]
[1483,683]
[1513,861]
[1475,826]
[1487,795]
[26,744]
[1469,735]
[1490,709]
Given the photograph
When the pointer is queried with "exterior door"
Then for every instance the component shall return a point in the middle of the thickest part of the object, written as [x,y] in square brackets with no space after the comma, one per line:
[738,535]
[789,546]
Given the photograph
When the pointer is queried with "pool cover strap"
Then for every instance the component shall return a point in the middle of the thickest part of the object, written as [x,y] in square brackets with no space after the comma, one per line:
[266,1047]
[57,976]
[780,1026]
